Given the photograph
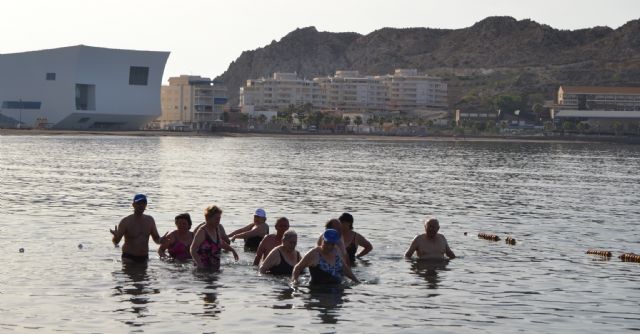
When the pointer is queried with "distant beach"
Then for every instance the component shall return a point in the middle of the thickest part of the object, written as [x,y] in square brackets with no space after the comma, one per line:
[162,133]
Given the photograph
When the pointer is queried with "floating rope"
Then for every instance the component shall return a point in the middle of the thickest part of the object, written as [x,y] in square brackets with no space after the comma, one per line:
[599,252]
[629,257]
[488,236]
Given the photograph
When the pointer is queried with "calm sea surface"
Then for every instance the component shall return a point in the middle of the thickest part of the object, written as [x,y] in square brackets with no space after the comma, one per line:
[556,199]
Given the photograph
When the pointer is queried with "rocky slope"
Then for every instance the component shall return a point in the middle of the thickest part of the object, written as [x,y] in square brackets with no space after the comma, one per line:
[496,56]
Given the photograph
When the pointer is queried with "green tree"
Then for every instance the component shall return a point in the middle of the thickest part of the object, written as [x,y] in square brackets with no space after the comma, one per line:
[567,126]
[346,120]
[508,103]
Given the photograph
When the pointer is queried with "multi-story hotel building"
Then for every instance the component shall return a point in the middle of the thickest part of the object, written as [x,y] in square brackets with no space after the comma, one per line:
[404,90]
[191,102]
[280,91]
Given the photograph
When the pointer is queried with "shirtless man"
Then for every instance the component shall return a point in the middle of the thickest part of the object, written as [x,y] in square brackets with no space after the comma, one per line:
[136,229]
[271,241]
[430,245]
[252,233]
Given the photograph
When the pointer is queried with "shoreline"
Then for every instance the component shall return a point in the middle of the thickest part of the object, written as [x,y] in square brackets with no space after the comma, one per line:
[330,136]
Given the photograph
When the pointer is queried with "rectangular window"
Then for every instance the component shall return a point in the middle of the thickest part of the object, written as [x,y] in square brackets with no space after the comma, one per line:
[21,105]
[85,97]
[51,76]
[138,75]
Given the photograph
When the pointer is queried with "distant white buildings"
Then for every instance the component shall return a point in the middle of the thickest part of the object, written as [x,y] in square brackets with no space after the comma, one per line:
[81,87]
[191,102]
[405,90]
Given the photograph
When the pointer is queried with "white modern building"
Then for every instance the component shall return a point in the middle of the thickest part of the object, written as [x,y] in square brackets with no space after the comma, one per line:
[192,102]
[81,87]
[404,90]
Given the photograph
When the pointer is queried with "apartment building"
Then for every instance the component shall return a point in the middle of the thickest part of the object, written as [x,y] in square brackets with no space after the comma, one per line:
[404,90]
[599,107]
[192,102]
[279,91]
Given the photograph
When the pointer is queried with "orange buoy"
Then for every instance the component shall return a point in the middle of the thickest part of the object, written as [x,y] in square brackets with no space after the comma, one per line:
[510,241]
[629,257]
[599,252]
[488,236]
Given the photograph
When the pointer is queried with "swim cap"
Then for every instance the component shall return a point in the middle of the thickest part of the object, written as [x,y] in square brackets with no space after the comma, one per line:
[331,236]
[139,197]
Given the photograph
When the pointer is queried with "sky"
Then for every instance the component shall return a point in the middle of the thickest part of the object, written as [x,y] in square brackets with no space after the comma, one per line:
[205,36]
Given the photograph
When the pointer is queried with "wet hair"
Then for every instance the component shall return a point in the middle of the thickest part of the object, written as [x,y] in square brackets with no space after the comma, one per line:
[331,223]
[282,219]
[431,220]
[289,234]
[347,218]
[184,216]
[211,210]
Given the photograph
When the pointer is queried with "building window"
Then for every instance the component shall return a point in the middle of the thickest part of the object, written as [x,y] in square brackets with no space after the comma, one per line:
[51,76]
[85,97]
[138,75]
[21,105]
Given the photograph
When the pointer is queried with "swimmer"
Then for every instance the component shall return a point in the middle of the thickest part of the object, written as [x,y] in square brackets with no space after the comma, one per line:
[283,258]
[252,233]
[353,239]
[207,242]
[326,264]
[178,241]
[336,225]
[136,229]
[271,241]
[430,245]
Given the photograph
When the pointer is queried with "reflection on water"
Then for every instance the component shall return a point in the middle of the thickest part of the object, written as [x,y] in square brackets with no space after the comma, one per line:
[428,269]
[327,300]
[133,282]
[209,293]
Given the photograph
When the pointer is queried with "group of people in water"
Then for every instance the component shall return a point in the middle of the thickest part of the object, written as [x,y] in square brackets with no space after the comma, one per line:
[276,254]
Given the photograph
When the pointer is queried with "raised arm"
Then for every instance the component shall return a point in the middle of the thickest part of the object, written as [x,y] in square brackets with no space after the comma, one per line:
[364,243]
[118,232]
[254,232]
[412,248]
[241,230]
[166,242]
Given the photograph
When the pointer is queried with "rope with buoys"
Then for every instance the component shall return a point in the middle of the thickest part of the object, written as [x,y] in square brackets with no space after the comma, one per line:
[599,252]
[629,257]
[488,236]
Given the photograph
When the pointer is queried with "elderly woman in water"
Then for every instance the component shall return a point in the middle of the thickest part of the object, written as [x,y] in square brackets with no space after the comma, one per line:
[208,241]
[325,262]
[353,239]
[179,241]
[283,258]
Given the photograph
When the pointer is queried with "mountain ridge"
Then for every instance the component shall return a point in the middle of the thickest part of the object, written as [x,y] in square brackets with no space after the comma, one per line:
[495,56]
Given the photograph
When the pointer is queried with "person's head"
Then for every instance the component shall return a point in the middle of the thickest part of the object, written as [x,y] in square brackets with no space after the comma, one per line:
[431,227]
[183,222]
[333,224]
[260,216]
[282,225]
[139,203]
[346,219]
[330,238]
[290,239]
[212,214]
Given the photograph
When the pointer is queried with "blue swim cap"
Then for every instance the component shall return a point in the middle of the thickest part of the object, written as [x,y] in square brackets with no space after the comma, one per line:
[331,236]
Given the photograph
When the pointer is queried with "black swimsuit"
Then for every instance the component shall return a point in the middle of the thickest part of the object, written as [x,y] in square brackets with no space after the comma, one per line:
[251,244]
[283,268]
[135,258]
[352,249]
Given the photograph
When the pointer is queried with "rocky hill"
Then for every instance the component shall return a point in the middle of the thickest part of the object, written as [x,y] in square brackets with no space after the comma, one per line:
[496,56]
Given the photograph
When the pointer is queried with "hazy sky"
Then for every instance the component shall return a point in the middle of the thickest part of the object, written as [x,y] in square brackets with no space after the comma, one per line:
[205,36]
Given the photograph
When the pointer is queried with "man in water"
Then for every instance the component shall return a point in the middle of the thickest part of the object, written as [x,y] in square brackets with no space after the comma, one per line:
[431,245]
[271,241]
[136,229]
